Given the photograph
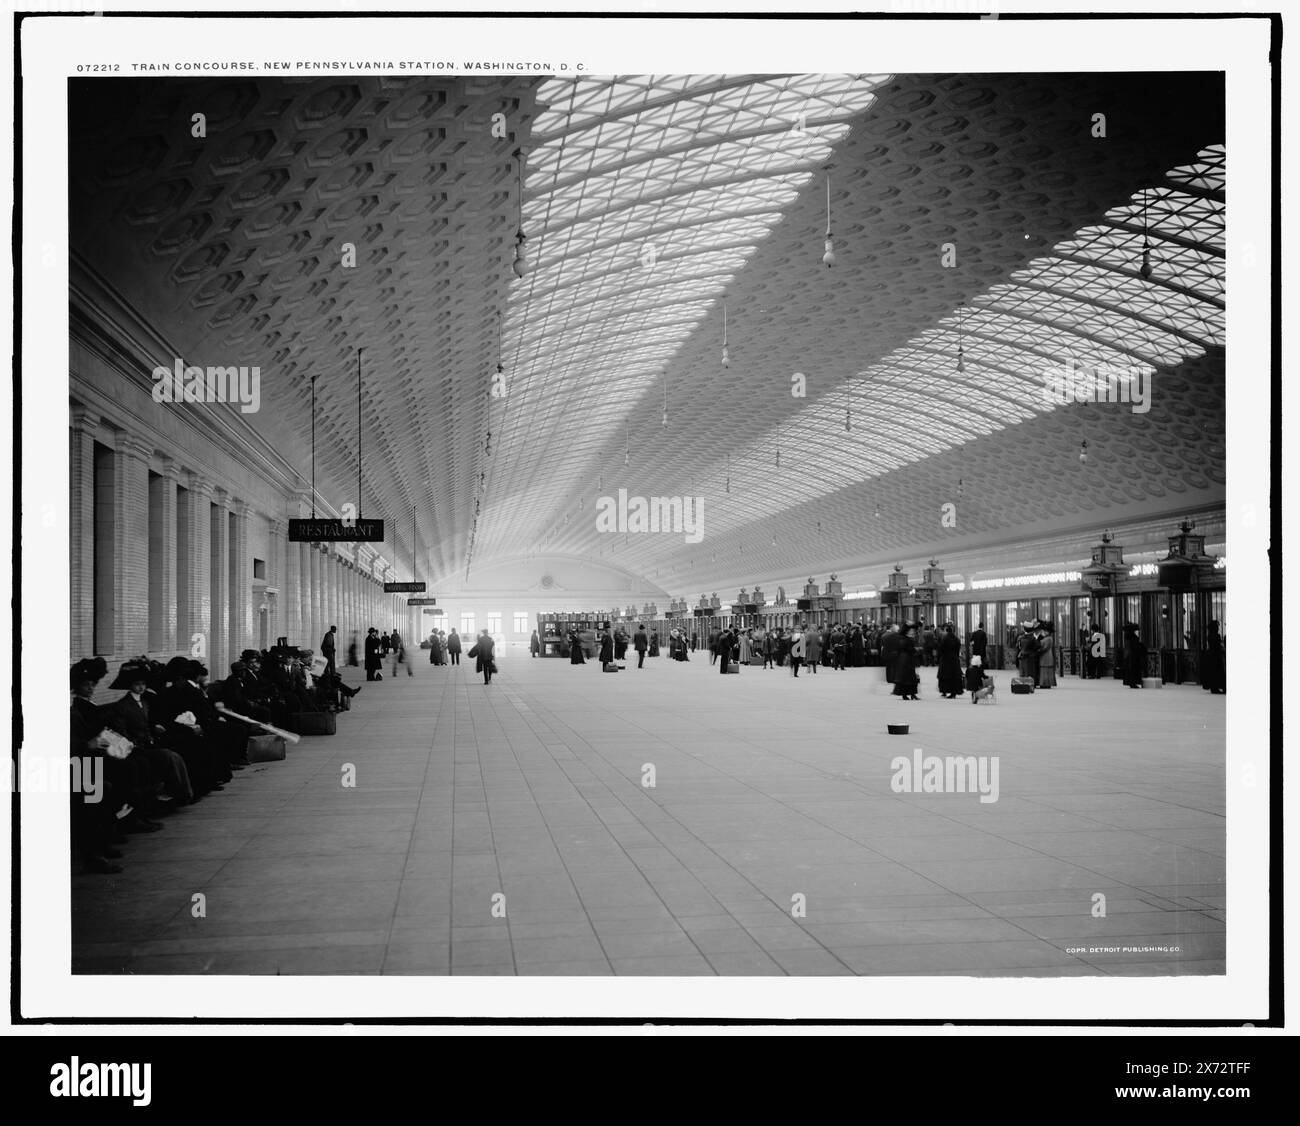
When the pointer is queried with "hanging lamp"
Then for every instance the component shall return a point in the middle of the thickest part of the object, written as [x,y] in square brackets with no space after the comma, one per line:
[521,261]
[665,416]
[961,352]
[726,356]
[1145,269]
[1083,452]
[828,258]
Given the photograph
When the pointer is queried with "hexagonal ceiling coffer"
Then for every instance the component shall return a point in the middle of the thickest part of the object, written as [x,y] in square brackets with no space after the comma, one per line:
[224,103]
[351,210]
[415,107]
[242,154]
[278,249]
[184,232]
[337,146]
[416,144]
[215,288]
[333,103]
[157,203]
[271,219]
[132,159]
[233,311]
[257,189]
[344,180]
[200,262]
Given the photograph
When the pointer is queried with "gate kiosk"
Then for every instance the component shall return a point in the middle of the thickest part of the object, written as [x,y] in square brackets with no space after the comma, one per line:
[895,591]
[1100,580]
[1190,576]
[819,608]
[928,591]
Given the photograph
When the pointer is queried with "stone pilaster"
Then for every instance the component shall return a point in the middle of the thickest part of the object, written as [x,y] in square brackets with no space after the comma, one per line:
[131,546]
[241,634]
[81,530]
[163,550]
[219,620]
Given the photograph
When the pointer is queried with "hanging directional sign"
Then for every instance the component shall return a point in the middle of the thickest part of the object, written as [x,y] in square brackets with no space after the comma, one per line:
[404,588]
[422,602]
[325,529]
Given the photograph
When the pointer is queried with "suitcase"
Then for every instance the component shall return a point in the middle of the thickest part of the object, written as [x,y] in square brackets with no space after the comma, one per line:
[266,748]
[1022,685]
[312,723]
[733,668]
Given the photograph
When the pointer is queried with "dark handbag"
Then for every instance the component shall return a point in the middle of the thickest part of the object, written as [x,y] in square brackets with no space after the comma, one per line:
[473,652]
[312,723]
[266,748]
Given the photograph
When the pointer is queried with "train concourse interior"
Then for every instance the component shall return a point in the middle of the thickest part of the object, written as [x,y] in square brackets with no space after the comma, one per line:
[652,525]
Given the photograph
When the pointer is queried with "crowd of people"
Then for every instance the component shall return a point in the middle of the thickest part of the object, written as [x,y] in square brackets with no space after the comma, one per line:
[174,737]
[901,647]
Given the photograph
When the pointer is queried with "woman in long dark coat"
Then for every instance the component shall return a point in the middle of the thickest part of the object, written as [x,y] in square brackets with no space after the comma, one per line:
[857,652]
[1046,658]
[575,649]
[889,654]
[606,650]
[950,678]
[653,651]
[1027,654]
[1135,657]
[905,678]
[1213,672]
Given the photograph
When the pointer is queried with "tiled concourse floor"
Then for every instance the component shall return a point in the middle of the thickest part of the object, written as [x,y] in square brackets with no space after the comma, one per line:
[765,789]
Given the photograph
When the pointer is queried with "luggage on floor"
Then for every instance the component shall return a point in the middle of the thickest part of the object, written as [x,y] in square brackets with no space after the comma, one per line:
[266,748]
[312,723]
[1022,685]
[732,668]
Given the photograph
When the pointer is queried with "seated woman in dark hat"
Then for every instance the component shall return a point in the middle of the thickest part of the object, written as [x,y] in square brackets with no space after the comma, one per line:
[182,708]
[130,717]
[101,783]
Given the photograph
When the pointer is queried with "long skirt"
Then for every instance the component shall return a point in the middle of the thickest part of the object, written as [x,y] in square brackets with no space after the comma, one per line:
[950,677]
[1046,675]
[906,682]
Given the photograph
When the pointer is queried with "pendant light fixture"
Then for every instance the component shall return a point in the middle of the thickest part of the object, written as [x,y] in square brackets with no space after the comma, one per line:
[1145,269]
[828,258]
[848,413]
[521,261]
[501,367]
[726,356]
[778,447]
[665,417]
[627,444]
[1083,452]
[728,473]
[961,351]
[877,510]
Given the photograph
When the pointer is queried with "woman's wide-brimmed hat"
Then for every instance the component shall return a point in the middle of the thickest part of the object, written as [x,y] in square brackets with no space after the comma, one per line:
[138,668]
[93,669]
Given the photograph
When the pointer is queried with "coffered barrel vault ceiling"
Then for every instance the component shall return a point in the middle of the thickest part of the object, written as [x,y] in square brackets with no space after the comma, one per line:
[968,211]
